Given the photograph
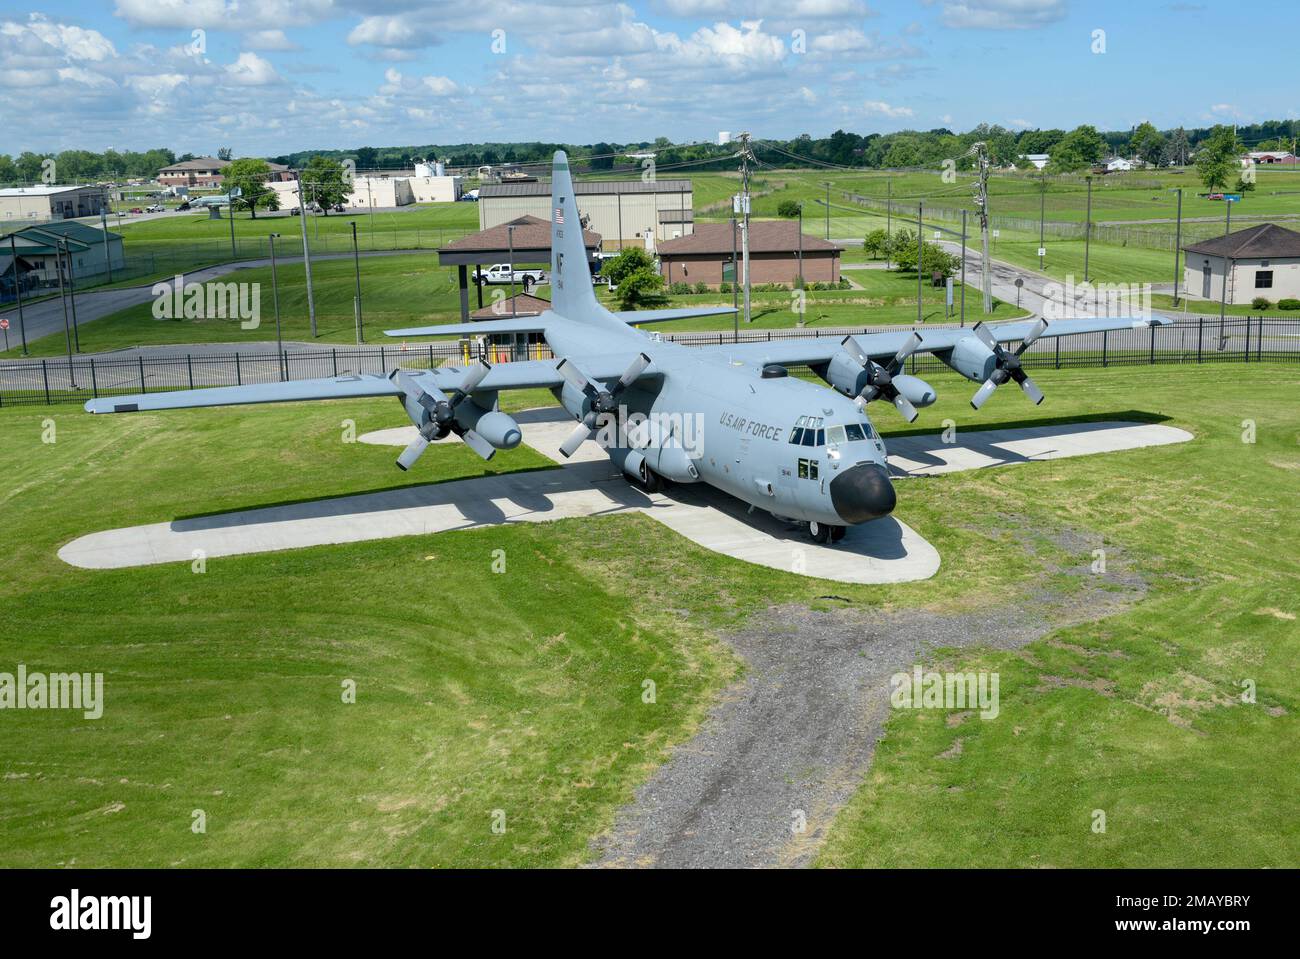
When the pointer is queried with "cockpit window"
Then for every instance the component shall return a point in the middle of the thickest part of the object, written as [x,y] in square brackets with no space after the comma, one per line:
[807,432]
[853,431]
[835,434]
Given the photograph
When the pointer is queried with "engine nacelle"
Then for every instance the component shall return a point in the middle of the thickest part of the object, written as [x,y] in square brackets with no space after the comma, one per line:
[499,429]
[662,452]
[970,357]
[575,401]
[918,392]
[844,373]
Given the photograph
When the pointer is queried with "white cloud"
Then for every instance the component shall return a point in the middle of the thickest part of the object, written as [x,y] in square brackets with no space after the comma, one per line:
[224,14]
[250,70]
[441,86]
[41,37]
[879,108]
[403,32]
[1002,14]
[269,40]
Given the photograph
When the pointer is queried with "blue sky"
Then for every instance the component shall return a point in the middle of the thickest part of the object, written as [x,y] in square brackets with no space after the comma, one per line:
[279,75]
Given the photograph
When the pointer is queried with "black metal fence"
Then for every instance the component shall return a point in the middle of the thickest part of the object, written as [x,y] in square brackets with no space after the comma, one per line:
[50,381]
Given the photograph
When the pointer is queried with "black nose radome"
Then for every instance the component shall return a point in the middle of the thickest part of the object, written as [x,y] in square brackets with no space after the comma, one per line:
[862,493]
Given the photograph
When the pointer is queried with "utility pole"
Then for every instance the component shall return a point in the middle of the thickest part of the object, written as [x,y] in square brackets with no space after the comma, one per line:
[742,209]
[828,208]
[735,276]
[1178,242]
[963,267]
[306,255]
[982,201]
[18,293]
[1087,231]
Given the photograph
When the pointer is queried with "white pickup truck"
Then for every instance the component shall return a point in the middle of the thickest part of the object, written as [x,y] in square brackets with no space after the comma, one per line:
[500,273]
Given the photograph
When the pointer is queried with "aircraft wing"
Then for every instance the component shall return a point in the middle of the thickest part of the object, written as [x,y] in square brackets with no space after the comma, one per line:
[524,374]
[820,349]
[507,324]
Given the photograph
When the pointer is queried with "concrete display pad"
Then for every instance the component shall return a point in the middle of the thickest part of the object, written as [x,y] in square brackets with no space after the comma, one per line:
[884,551]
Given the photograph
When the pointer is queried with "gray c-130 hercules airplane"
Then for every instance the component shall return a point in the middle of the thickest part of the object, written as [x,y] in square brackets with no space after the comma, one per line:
[776,442]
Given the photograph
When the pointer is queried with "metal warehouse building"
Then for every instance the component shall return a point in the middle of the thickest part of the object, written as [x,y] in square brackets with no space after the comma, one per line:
[623,212]
[40,203]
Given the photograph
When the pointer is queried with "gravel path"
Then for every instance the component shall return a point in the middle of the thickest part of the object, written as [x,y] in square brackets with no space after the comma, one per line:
[796,735]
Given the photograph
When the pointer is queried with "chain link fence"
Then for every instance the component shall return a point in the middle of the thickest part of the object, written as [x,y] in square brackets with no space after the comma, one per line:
[55,381]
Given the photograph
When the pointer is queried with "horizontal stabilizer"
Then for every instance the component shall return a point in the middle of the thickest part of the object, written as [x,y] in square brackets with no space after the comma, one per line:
[661,316]
[521,324]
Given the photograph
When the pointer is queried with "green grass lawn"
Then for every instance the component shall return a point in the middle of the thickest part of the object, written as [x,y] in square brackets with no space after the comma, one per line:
[521,691]
[1139,715]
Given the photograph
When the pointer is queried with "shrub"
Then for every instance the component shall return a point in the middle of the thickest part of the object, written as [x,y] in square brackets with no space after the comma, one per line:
[1288,304]
[679,288]
[1261,303]
[724,287]
[788,208]
[701,287]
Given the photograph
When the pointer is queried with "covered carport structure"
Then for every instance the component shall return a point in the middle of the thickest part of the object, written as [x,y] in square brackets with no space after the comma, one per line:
[525,241]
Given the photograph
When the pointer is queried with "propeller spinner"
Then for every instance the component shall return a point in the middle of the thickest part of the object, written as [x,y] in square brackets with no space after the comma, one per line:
[880,379]
[1008,364]
[441,410]
[601,400]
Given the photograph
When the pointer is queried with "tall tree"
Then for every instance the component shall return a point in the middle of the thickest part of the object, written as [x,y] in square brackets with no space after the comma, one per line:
[1176,149]
[250,175]
[1146,143]
[323,182]
[1218,158]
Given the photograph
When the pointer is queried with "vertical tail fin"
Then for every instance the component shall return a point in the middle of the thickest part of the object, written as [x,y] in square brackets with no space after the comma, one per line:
[571,291]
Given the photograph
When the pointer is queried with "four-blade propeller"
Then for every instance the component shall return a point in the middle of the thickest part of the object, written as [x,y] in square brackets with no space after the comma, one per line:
[880,379]
[442,414]
[600,399]
[1008,365]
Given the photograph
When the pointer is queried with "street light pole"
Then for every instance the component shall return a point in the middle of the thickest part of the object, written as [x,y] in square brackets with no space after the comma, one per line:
[919,250]
[306,256]
[356,306]
[275,298]
[72,297]
[801,245]
[108,256]
[1042,213]
[1087,232]
[1178,242]
[889,218]
[1223,302]
[510,246]
[67,330]
[230,208]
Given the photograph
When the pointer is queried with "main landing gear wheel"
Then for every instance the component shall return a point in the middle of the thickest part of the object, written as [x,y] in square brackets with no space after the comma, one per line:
[820,532]
[648,481]
[837,533]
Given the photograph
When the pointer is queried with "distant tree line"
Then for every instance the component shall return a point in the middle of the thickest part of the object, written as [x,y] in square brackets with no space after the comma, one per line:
[1070,150]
